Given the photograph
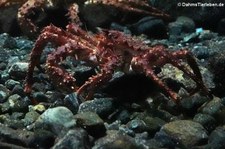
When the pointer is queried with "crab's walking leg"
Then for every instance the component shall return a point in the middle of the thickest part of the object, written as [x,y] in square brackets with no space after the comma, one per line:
[141,64]
[196,74]
[100,79]
[92,84]
[140,7]
[49,34]
[60,76]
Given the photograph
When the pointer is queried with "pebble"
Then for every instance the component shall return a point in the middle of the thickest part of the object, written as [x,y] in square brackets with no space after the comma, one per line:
[30,117]
[74,139]
[55,118]
[18,70]
[212,107]
[4,93]
[115,139]
[10,43]
[91,122]
[102,106]
[220,27]
[137,125]
[16,103]
[41,138]
[192,103]
[10,83]
[207,121]
[185,132]
[216,139]
[40,97]
[181,25]
[150,26]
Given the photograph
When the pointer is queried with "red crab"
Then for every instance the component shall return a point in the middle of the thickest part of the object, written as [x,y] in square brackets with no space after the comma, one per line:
[110,50]
[29,7]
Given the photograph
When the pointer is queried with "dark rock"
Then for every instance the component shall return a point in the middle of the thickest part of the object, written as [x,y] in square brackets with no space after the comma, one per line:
[220,116]
[91,122]
[16,103]
[98,15]
[102,106]
[149,26]
[216,139]
[18,70]
[212,107]
[30,117]
[18,89]
[207,121]
[115,140]
[216,65]
[24,44]
[150,144]
[8,20]
[202,52]
[164,140]
[4,77]
[207,35]
[10,43]
[188,25]
[53,96]
[175,29]
[72,102]
[10,145]
[185,132]
[11,122]
[220,28]
[144,142]
[10,84]
[4,93]
[40,97]
[137,125]
[74,139]
[181,25]
[146,124]
[191,104]
[153,124]
[123,116]
[42,139]
[3,66]
[115,26]
[26,138]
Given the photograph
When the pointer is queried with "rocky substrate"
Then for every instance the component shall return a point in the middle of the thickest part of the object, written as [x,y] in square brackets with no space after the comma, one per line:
[128,113]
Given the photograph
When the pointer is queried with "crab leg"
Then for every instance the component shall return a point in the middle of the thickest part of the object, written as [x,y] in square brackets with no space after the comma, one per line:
[49,34]
[141,64]
[108,67]
[140,7]
[196,75]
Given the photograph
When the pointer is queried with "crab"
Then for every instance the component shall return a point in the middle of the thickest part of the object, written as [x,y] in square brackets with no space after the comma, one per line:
[73,7]
[5,3]
[109,50]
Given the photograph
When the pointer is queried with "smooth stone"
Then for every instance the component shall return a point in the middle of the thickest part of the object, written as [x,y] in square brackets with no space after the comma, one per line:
[185,132]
